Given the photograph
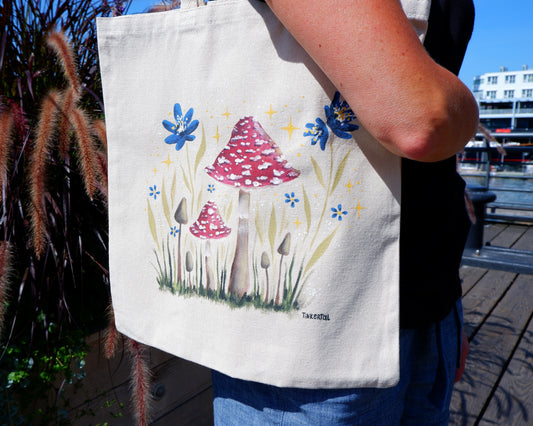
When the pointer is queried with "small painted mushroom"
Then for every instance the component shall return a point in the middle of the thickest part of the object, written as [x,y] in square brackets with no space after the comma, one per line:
[250,160]
[209,226]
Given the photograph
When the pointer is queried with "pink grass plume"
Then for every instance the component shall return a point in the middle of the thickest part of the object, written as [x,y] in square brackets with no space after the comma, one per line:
[140,380]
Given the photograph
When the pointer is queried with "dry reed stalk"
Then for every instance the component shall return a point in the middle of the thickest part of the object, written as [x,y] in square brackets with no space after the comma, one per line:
[6,141]
[45,128]
[112,335]
[140,377]
[88,152]
[5,268]
[58,42]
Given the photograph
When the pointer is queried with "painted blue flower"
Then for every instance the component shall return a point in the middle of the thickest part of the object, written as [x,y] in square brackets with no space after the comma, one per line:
[339,116]
[291,199]
[154,192]
[182,129]
[338,212]
[174,231]
[210,187]
[319,133]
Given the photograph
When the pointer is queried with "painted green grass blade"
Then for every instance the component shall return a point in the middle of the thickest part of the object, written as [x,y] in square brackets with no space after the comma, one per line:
[201,151]
[340,171]
[151,222]
[258,224]
[318,172]
[185,180]
[164,202]
[173,189]
[272,229]
[320,250]
[229,209]
[307,209]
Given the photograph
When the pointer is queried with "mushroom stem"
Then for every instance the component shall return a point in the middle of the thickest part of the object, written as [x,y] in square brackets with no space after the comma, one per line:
[179,256]
[265,264]
[276,301]
[240,275]
[267,285]
[181,217]
[189,266]
[283,250]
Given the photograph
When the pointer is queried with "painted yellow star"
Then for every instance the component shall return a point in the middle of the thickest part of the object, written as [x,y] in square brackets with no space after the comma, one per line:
[154,170]
[349,186]
[168,162]
[290,128]
[297,223]
[270,112]
[217,135]
[359,208]
[227,113]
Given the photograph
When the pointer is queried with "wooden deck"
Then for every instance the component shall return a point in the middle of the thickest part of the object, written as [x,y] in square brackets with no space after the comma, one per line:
[496,389]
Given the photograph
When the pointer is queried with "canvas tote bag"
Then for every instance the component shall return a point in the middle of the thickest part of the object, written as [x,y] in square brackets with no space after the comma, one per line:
[254,223]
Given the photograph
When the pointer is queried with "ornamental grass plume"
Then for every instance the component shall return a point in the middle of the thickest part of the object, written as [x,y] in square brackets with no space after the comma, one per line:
[100,132]
[6,142]
[57,41]
[88,156]
[70,97]
[140,381]
[40,154]
[112,335]
[5,269]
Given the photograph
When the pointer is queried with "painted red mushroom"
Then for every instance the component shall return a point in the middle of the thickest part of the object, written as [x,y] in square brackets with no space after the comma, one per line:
[250,160]
[209,226]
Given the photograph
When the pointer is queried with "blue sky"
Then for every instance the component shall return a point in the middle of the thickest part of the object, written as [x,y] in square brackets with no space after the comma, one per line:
[503,36]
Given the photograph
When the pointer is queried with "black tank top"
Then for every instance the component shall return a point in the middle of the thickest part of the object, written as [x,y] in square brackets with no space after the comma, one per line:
[434,222]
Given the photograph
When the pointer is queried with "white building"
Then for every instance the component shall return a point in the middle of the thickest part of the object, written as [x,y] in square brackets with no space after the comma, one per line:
[505,101]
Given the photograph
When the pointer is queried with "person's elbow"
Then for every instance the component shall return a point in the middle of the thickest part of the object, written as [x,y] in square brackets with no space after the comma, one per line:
[438,134]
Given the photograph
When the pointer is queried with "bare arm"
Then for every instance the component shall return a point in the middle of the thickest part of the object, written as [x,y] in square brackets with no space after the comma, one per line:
[368,49]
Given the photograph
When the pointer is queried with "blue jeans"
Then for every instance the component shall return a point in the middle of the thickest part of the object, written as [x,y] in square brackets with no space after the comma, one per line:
[428,359]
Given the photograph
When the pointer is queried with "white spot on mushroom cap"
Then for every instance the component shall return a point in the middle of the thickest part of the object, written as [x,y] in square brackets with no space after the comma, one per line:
[268,151]
[264,165]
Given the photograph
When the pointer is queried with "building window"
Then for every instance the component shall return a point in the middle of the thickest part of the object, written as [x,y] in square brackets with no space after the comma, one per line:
[510,79]
[493,79]
[491,94]
[528,78]
[527,93]
[508,94]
